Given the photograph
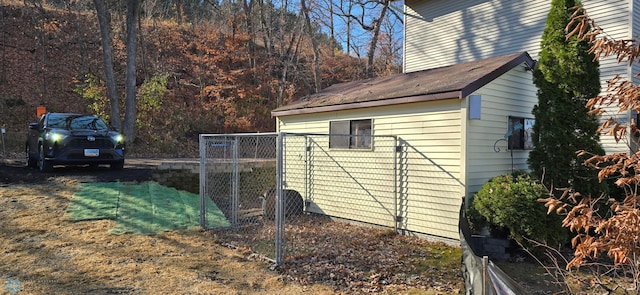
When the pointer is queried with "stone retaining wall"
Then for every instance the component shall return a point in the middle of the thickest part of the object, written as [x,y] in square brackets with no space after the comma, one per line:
[185,175]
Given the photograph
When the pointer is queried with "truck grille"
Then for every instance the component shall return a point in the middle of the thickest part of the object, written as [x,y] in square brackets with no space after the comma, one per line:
[84,143]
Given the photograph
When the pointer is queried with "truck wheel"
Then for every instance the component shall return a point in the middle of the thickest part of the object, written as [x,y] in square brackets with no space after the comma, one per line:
[31,161]
[43,164]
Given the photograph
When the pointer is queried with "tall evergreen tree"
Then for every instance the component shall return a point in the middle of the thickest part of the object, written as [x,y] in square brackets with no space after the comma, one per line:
[566,76]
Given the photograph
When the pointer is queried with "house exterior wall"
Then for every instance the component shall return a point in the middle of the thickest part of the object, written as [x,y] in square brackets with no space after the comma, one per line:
[635,8]
[443,32]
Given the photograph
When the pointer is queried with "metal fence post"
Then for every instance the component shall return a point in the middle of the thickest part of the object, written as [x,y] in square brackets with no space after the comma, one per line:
[485,275]
[279,231]
[307,170]
[203,180]
[235,201]
[395,184]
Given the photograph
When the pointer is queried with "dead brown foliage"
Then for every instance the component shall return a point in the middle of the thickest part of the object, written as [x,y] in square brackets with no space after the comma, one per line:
[607,225]
[216,84]
[357,259]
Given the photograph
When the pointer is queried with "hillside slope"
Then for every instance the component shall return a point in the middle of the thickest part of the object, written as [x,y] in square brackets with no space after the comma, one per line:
[214,84]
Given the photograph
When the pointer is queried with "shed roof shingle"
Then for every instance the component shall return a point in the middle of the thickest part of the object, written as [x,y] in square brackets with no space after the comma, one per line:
[455,81]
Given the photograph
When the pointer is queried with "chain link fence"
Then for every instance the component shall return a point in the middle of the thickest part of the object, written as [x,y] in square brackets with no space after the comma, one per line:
[274,188]
[235,172]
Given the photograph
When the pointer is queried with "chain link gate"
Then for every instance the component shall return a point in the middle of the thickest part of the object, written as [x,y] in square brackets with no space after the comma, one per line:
[235,172]
[245,175]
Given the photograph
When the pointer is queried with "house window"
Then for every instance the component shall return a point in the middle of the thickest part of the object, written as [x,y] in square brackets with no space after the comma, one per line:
[519,133]
[350,134]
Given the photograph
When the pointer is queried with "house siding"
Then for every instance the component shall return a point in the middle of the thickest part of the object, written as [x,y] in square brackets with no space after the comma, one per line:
[635,8]
[615,17]
[462,31]
[430,185]
[443,32]
[512,94]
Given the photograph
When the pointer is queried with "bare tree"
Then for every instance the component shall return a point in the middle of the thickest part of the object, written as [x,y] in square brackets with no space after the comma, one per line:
[346,15]
[325,18]
[375,29]
[104,21]
[3,40]
[130,83]
[248,11]
[314,43]
[373,24]
[389,49]
[266,10]
[289,56]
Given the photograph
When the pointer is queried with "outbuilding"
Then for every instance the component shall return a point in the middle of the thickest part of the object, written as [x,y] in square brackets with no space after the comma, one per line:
[452,129]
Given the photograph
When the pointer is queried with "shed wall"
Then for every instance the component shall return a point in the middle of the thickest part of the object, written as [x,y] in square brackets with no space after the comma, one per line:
[357,185]
[430,184]
[488,156]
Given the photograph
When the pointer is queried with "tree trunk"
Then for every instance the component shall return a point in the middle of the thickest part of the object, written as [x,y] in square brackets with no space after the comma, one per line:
[179,11]
[317,81]
[348,28]
[143,51]
[248,11]
[104,20]
[374,37]
[288,58]
[266,20]
[3,40]
[130,115]
[332,29]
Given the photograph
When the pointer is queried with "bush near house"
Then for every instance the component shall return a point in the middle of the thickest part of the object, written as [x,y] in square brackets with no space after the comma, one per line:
[509,203]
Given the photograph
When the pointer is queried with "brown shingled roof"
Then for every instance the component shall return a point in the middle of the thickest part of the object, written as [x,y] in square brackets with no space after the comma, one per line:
[456,81]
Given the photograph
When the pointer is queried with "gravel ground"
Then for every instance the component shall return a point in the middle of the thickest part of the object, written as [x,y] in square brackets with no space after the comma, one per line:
[135,170]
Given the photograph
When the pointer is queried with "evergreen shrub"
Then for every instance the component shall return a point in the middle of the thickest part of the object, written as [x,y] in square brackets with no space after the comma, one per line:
[509,203]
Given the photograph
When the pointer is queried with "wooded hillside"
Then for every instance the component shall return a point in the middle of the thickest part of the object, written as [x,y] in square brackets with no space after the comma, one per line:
[211,76]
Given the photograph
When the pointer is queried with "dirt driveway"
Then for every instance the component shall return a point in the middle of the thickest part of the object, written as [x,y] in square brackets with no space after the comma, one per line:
[43,252]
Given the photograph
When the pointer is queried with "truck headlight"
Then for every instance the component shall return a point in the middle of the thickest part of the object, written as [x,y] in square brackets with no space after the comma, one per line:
[118,138]
[54,137]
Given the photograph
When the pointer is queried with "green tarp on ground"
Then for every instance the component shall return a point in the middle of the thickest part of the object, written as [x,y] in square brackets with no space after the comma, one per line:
[147,208]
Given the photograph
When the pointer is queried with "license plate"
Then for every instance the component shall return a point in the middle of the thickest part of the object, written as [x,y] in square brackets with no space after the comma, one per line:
[91,152]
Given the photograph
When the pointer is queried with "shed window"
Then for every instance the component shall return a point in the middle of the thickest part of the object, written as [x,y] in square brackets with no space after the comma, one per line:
[350,134]
[519,133]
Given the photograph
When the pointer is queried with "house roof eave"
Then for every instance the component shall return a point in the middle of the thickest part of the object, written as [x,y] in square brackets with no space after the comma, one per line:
[369,104]
[475,85]
[455,81]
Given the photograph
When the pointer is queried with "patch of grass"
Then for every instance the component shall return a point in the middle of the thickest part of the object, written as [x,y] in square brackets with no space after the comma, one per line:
[436,260]
[443,256]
